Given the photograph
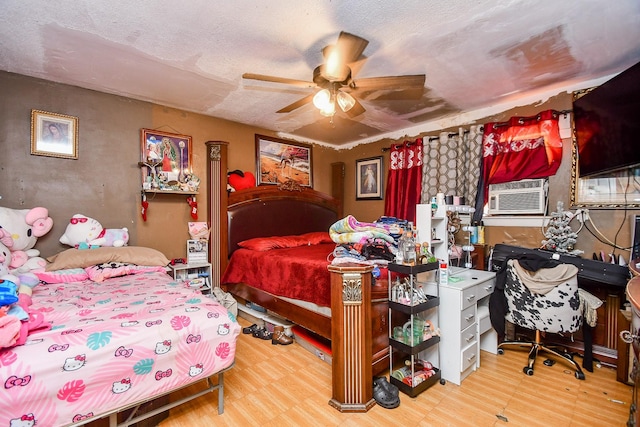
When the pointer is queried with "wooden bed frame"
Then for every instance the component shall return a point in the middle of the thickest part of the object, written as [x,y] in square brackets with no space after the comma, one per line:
[270,211]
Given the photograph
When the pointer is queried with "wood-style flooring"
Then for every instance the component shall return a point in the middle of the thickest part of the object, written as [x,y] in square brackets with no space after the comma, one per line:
[274,385]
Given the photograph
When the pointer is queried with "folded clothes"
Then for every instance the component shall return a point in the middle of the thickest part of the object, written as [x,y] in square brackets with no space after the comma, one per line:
[350,230]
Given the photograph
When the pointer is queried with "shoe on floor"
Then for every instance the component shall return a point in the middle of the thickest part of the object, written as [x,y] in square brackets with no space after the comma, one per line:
[262,333]
[385,394]
[279,337]
[382,381]
[249,329]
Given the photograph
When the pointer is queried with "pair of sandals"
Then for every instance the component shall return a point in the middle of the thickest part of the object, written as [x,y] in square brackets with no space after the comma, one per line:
[257,332]
[385,394]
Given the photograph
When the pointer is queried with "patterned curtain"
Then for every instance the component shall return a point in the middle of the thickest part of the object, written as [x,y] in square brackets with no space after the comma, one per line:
[522,148]
[404,183]
[451,164]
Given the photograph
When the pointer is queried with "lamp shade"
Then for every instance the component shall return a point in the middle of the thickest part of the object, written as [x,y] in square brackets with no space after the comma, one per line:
[345,101]
[322,99]
[329,110]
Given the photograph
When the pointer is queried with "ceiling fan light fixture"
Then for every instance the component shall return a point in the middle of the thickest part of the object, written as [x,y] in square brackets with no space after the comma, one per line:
[322,99]
[345,101]
[329,110]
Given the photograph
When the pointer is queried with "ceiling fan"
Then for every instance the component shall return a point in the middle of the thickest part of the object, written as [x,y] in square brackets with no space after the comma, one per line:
[336,82]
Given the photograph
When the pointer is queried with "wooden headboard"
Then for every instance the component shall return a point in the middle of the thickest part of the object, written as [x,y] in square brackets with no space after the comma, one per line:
[269,211]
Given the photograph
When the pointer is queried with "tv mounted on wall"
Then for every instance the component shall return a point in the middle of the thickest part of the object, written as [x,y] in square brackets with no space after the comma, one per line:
[607,125]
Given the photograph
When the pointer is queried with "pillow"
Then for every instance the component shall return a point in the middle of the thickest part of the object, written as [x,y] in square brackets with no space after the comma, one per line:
[316,237]
[101,272]
[62,276]
[76,258]
[275,242]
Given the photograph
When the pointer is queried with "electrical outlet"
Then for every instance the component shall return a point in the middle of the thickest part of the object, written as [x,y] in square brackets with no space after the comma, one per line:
[583,215]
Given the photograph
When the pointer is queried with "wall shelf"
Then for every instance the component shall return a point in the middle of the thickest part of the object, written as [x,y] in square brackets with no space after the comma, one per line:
[188,193]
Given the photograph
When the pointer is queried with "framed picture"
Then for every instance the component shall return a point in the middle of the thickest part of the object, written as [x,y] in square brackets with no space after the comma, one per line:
[167,157]
[54,135]
[278,161]
[197,251]
[369,179]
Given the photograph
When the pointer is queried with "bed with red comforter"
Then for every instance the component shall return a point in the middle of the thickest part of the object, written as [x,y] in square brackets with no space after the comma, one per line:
[279,252]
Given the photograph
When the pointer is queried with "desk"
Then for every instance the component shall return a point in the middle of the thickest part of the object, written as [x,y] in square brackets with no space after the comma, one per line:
[605,281]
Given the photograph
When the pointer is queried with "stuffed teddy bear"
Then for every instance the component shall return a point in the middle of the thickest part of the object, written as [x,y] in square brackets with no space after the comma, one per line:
[25,226]
[84,232]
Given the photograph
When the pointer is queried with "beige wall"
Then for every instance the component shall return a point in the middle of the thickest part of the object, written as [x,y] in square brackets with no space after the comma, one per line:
[104,183]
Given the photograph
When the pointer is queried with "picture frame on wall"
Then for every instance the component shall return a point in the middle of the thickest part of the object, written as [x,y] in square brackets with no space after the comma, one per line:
[279,161]
[54,135]
[369,179]
[167,157]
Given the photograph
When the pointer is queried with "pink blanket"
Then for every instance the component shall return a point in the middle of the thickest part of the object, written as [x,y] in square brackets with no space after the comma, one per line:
[111,344]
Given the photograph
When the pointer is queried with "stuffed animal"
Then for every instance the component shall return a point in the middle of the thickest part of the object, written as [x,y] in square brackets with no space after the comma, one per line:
[9,325]
[84,232]
[239,180]
[25,226]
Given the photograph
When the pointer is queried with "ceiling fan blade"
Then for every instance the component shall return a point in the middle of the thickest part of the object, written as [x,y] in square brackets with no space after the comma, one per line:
[299,103]
[356,66]
[356,110]
[350,46]
[389,82]
[283,80]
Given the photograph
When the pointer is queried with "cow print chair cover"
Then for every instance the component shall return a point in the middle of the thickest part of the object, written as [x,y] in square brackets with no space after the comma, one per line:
[557,311]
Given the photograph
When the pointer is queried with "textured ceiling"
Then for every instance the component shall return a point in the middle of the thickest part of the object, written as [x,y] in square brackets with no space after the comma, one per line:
[479,57]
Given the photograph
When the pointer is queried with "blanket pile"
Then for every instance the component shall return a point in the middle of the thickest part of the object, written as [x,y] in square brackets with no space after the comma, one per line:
[355,240]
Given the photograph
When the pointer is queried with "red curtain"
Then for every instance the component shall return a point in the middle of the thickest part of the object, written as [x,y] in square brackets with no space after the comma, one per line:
[404,184]
[522,148]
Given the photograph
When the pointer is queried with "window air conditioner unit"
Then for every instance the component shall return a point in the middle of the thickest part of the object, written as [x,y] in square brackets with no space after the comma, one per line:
[527,196]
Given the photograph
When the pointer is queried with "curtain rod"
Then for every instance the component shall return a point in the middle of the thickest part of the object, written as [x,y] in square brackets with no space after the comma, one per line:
[521,120]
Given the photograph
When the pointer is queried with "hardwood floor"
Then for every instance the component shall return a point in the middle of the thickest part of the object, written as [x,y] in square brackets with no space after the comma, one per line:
[289,386]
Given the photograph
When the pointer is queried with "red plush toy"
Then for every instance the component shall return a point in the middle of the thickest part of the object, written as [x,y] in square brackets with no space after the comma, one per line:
[240,180]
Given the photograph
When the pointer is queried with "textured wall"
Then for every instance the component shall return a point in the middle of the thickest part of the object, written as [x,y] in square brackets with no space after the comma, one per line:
[104,182]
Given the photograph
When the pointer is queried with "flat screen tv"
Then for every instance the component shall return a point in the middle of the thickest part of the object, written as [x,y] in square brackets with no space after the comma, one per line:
[607,125]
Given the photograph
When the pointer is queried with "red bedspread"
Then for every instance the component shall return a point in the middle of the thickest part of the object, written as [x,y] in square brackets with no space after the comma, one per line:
[300,273]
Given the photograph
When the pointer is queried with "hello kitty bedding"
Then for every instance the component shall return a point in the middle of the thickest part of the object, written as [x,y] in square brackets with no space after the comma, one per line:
[113,341]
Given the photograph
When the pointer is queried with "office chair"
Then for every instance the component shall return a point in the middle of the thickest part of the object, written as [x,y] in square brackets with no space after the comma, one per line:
[545,300]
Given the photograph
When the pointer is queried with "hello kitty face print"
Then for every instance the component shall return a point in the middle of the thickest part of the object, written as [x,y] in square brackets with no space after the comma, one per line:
[163,347]
[74,363]
[224,329]
[27,420]
[195,370]
[121,386]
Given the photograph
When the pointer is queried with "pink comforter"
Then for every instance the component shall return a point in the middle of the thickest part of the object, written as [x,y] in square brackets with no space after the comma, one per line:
[112,344]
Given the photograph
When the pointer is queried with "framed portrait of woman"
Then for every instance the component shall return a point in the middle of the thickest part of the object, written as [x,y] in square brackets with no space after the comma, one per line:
[167,157]
[54,135]
[369,179]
